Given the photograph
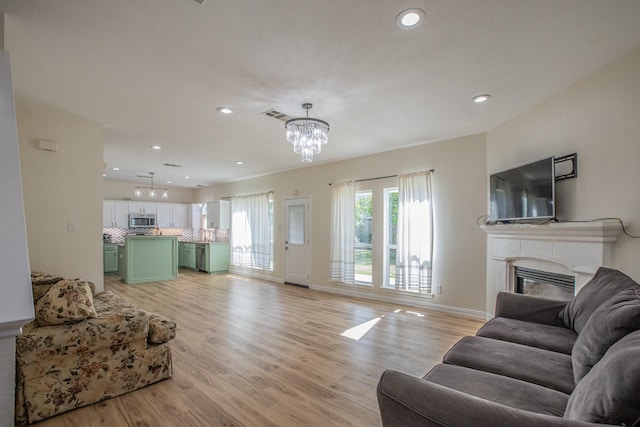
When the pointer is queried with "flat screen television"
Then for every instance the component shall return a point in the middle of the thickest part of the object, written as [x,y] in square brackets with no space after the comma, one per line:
[525,193]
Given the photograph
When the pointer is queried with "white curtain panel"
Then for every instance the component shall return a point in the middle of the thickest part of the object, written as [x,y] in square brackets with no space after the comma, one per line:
[341,259]
[250,229]
[415,233]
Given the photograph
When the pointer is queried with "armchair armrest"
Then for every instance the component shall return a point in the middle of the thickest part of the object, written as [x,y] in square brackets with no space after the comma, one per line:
[406,401]
[161,329]
[529,309]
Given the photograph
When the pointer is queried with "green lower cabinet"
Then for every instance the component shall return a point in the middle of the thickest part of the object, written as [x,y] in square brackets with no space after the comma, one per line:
[187,255]
[190,256]
[217,257]
[150,258]
[122,261]
[181,249]
[110,257]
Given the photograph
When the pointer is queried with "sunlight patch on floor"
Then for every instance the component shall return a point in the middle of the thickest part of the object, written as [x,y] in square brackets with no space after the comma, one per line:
[246,279]
[416,313]
[360,330]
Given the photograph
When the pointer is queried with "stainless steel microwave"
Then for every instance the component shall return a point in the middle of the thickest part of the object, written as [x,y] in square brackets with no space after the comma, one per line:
[142,220]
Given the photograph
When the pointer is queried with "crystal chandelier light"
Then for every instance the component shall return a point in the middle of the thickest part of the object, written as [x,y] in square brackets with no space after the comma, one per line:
[307,134]
[153,191]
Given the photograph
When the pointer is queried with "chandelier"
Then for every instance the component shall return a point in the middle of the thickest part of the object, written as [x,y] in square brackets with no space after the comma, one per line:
[307,134]
[153,191]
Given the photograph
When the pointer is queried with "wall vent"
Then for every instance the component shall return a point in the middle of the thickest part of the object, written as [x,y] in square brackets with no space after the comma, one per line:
[172,165]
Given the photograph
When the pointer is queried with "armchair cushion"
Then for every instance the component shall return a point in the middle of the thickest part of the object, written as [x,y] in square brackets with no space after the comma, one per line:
[615,318]
[67,301]
[605,283]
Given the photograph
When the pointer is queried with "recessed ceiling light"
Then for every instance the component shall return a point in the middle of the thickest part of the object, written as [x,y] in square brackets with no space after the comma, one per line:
[116,169]
[104,174]
[239,162]
[168,182]
[481,98]
[187,177]
[410,18]
[156,147]
[225,110]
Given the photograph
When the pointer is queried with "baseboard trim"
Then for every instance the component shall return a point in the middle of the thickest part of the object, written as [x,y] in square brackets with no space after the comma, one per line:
[403,299]
[257,274]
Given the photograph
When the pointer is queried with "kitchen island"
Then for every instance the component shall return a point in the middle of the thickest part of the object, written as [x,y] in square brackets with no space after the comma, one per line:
[148,259]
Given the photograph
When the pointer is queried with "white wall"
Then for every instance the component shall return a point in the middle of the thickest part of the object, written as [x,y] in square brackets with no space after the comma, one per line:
[599,118]
[60,188]
[459,197]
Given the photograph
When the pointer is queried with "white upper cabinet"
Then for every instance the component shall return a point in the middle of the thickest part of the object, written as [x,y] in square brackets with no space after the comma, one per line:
[171,215]
[194,216]
[219,214]
[115,214]
[180,217]
[142,208]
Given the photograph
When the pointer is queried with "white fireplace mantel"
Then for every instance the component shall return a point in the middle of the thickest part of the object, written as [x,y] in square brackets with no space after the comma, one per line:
[575,248]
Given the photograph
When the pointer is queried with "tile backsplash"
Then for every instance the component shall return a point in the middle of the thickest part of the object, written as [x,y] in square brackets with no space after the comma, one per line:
[184,234]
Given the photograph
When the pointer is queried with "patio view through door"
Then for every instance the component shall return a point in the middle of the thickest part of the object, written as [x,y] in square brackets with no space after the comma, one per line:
[297,241]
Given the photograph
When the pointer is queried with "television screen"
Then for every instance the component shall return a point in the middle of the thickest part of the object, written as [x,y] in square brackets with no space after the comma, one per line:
[524,193]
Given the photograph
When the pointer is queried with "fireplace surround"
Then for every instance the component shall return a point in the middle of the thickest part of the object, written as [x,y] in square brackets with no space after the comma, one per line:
[566,248]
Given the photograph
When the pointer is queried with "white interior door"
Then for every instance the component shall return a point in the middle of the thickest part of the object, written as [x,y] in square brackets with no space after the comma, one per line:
[297,241]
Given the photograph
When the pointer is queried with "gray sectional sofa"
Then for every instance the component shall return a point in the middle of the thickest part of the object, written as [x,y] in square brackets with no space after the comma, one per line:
[539,362]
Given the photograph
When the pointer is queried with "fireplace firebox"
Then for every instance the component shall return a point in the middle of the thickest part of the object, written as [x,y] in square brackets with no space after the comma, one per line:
[544,284]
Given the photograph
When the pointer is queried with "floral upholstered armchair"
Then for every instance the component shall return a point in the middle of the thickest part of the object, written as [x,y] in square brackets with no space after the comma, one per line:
[83,348]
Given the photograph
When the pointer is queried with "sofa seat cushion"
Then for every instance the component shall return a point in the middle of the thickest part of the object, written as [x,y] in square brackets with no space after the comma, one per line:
[615,318]
[161,329]
[609,393]
[115,324]
[500,389]
[553,338]
[543,367]
[604,284]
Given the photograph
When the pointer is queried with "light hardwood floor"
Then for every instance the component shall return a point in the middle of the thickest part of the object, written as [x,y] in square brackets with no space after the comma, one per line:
[255,353]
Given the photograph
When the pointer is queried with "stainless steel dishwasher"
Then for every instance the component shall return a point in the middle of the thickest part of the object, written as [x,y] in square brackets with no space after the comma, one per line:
[201,256]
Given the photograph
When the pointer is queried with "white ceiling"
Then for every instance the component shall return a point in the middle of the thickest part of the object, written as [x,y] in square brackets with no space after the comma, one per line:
[154,72]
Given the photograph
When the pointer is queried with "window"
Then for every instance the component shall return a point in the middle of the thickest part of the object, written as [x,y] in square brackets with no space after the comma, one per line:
[382,233]
[363,237]
[252,231]
[390,236]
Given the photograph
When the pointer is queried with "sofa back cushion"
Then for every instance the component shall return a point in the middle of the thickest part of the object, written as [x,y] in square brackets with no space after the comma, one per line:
[609,392]
[67,301]
[615,318]
[604,284]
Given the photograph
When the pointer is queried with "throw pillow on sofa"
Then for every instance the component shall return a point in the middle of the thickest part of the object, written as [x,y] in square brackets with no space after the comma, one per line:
[68,301]
[609,392]
[41,282]
[615,318]
[605,282]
